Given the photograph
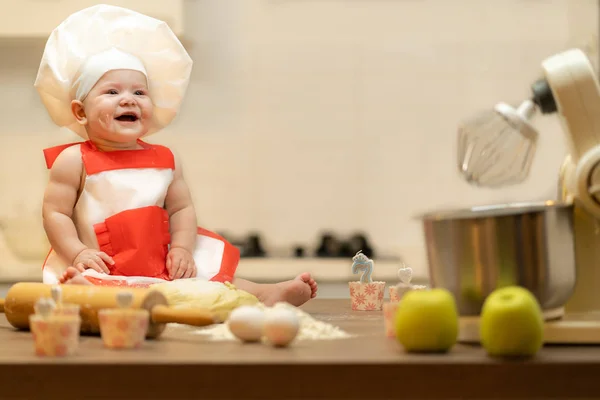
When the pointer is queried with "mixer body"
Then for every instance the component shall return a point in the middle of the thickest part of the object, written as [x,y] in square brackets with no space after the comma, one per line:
[577,95]
[586,231]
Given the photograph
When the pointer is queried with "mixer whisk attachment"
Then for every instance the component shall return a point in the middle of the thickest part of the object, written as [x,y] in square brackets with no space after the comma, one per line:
[496,147]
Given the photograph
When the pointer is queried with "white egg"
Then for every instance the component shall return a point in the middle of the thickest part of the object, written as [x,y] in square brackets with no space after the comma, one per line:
[246,323]
[281,326]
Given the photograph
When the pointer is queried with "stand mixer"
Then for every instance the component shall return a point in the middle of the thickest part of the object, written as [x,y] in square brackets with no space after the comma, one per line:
[495,149]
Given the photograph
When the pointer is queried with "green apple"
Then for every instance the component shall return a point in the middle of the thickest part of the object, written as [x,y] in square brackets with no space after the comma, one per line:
[427,321]
[512,324]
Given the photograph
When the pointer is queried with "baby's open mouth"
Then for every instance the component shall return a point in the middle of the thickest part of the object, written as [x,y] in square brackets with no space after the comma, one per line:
[127,117]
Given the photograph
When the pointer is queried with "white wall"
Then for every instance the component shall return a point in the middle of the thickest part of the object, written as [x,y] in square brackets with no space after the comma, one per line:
[332,114]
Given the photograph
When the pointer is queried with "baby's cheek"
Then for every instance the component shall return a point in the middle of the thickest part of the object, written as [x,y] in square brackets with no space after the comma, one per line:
[147,108]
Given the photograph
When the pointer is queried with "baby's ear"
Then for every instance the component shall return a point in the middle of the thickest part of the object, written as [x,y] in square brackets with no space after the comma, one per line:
[78,112]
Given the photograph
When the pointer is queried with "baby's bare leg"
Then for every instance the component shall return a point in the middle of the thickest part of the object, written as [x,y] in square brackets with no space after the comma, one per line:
[296,291]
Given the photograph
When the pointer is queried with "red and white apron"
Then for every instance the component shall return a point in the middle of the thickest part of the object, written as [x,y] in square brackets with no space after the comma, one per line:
[120,211]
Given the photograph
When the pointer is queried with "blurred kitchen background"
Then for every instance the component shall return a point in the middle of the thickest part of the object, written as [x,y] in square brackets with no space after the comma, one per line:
[311,128]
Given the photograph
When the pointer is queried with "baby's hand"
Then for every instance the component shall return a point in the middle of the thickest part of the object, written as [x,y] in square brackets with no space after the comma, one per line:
[93,259]
[180,263]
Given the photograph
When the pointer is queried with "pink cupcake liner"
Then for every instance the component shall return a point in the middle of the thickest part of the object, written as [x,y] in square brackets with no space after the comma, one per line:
[67,309]
[394,298]
[366,296]
[389,315]
[398,291]
[55,335]
[123,328]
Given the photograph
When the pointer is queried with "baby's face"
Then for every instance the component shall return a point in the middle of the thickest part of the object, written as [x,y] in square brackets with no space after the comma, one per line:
[118,107]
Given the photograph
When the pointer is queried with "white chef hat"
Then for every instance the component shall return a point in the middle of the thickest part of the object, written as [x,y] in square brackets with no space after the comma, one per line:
[102,38]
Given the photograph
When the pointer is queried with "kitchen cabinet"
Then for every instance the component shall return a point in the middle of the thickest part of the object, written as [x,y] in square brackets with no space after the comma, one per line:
[37,18]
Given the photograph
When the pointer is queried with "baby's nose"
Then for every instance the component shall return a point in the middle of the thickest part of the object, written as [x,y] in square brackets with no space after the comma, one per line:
[127,99]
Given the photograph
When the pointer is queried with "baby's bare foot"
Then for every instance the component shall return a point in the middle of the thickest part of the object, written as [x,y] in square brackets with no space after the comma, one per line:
[307,278]
[73,277]
[296,291]
[69,273]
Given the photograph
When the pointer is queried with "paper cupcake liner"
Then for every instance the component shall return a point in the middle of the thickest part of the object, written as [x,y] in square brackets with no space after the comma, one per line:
[366,296]
[55,335]
[123,328]
[398,291]
[67,309]
[389,315]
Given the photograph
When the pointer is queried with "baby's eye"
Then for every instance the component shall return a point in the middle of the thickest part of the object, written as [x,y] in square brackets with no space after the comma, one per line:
[112,91]
[140,93]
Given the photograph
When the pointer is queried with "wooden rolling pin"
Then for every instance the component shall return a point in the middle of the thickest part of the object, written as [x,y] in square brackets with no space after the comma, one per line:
[21,298]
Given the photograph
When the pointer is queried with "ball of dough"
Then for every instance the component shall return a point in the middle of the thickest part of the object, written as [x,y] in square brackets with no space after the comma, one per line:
[219,298]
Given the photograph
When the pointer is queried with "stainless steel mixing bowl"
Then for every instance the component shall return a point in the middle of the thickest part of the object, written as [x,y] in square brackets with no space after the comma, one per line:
[473,251]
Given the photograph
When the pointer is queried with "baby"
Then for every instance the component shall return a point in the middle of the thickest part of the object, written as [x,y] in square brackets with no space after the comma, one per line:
[117,210]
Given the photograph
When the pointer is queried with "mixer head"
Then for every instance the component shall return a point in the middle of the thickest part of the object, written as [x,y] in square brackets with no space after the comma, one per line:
[496,147]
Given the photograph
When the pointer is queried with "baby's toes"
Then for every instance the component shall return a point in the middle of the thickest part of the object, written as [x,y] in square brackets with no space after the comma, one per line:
[304,277]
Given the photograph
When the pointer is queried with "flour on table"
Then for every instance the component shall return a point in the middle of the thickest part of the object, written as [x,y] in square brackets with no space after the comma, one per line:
[310,328]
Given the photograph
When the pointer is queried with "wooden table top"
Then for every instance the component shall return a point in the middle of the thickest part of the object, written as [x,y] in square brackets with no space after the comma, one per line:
[184,365]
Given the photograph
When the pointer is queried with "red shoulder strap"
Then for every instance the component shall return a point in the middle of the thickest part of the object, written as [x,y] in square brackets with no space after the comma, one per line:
[151,156]
[50,154]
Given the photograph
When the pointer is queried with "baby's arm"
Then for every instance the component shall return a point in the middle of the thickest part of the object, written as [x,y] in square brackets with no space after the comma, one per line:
[182,215]
[57,212]
[183,225]
[59,202]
